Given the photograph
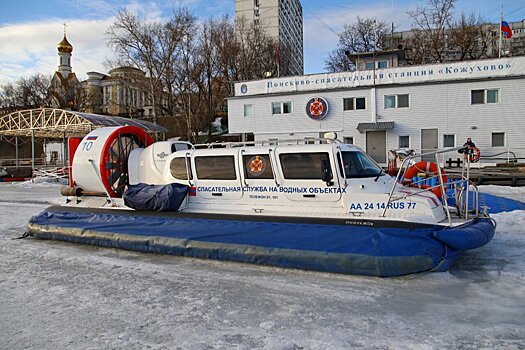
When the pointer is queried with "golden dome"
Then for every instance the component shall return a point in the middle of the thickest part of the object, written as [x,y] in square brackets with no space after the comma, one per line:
[64,46]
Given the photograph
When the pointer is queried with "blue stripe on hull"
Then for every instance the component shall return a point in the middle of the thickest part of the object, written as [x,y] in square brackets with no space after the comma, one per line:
[379,251]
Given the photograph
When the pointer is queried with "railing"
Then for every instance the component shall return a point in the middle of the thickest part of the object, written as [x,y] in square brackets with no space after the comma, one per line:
[52,172]
[490,157]
[266,143]
[28,162]
[460,187]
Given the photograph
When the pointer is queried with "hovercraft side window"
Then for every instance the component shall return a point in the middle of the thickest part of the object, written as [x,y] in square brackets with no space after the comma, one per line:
[178,169]
[304,166]
[216,168]
[257,166]
[358,164]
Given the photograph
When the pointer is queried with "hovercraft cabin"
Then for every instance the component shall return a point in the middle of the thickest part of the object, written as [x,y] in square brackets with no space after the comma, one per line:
[416,107]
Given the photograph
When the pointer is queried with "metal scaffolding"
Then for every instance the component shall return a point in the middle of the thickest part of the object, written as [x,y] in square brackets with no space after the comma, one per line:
[49,123]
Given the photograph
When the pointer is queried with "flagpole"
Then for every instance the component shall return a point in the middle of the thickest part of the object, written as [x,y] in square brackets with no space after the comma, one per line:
[500,40]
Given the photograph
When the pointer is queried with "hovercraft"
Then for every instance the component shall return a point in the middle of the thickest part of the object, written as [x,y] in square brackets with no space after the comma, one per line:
[322,206]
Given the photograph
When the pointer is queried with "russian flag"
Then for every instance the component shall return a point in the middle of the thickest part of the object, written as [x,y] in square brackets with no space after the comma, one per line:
[92,138]
[192,191]
[506,29]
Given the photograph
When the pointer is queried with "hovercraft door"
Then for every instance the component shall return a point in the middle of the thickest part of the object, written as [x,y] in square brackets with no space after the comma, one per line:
[217,175]
[302,176]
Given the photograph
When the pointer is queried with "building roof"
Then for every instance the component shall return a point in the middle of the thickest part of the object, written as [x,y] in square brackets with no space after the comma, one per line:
[59,123]
[353,56]
[64,46]
[362,127]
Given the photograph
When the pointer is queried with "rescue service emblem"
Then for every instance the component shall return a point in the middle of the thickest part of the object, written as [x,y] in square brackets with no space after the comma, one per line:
[317,108]
[256,166]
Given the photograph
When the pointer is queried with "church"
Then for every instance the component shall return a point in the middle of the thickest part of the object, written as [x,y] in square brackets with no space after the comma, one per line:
[64,86]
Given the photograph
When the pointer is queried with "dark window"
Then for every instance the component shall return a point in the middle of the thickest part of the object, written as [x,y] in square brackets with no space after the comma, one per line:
[352,103]
[302,165]
[360,103]
[257,166]
[287,107]
[281,107]
[215,168]
[178,169]
[477,97]
[402,101]
[449,140]
[358,164]
[349,140]
[498,139]
[404,141]
[348,104]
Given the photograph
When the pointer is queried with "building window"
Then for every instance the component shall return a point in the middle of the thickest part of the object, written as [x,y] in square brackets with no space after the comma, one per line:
[360,103]
[248,110]
[378,65]
[390,101]
[404,141]
[449,140]
[484,96]
[352,103]
[402,101]
[492,96]
[498,139]
[397,101]
[477,97]
[349,140]
[215,168]
[281,107]
[382,64]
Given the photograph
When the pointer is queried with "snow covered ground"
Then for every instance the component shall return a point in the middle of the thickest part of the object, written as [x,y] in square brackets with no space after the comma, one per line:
[55,295]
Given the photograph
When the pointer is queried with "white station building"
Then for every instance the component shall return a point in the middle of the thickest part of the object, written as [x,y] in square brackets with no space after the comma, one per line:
[417,107]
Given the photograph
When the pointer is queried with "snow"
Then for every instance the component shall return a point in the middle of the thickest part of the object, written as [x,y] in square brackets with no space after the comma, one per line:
[55,295]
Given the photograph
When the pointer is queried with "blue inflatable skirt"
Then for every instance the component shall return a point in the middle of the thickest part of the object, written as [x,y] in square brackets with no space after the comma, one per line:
[363,247]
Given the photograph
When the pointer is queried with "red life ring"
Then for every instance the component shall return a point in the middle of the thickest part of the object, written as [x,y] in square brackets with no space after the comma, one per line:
[430,169]
[474,154]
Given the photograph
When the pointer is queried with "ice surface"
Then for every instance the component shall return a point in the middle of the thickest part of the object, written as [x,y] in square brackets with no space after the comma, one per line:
[55,295]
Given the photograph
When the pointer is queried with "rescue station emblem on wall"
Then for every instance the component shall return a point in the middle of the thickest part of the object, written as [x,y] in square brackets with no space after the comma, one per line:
[317,108]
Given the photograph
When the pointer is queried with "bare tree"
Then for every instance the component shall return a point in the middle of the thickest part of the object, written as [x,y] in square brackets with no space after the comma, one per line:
[366,35]
[30,92]
[179,83]
[431,21]
[148,45]
[470,36]
[258,54]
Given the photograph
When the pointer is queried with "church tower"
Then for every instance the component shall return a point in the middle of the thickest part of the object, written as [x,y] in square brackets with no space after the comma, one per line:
[64,54]
[64,86]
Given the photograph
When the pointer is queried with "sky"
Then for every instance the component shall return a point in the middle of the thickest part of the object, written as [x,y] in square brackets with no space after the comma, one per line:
[31,29]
